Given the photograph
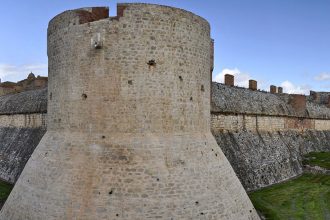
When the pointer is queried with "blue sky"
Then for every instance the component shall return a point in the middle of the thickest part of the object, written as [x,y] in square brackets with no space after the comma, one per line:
[280,42]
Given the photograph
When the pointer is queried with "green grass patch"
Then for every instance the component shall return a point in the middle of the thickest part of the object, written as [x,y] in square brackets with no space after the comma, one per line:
[5,189]
[321,159]
[307,197]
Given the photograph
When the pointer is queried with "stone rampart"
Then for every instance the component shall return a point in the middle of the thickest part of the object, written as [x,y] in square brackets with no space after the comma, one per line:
[237,100]
[261,159]
[34,120]
[16,147]
[264,135]
[250,122]
[22,125]
[34,101]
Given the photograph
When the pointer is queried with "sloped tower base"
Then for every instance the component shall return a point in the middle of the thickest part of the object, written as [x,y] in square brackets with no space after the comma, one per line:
[181,177]
[128,123]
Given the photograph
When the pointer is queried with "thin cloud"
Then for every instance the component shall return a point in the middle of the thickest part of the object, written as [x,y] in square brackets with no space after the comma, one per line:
[322,77]
[10,72]
[36,67]
[326,86]
[241,79]
[6,69]
[289,87]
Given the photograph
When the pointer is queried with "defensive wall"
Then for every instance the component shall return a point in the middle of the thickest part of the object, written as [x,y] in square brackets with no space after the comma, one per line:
[261,134]
[22,125]
[265,134]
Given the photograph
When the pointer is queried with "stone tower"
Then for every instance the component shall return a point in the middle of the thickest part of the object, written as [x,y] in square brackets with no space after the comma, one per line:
[128,132]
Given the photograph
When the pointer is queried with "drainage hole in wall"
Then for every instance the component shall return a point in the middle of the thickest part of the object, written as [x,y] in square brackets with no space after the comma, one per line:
[180,77]
[202,88]
[84,96]
[191,98]
[151,63]
[130,82]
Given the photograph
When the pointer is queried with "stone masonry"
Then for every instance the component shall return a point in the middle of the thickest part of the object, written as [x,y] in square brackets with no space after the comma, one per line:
[229,80]
[265,135]
[22,125]
[128,123]
[253,85]
[272,89]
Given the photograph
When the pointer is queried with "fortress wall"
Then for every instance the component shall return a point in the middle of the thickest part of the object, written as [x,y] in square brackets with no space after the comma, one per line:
[322,125]
[22,125]
[261,159]
[34,101]
[236,100]
[16,146]
[34,120]
[227,99]
[264,136]
[262,123]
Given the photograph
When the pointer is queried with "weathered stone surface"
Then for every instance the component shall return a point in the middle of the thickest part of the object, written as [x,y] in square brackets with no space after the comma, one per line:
[242,100]
[264,135]
[34,120]
[245,101]
[34,101]
[22,125]
[264,158]
[128,132]
[16,147]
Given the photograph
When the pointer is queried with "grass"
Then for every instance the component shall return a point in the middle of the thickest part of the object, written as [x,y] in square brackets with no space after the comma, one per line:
[5,189]
[307,197]
[321,159]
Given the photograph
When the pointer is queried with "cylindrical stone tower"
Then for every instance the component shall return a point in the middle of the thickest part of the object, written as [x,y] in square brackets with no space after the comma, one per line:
[128,123]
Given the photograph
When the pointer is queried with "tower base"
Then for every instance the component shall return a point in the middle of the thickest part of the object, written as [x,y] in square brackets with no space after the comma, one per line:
[128,176]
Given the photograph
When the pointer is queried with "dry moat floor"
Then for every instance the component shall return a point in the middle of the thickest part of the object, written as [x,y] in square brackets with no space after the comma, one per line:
[306,197]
